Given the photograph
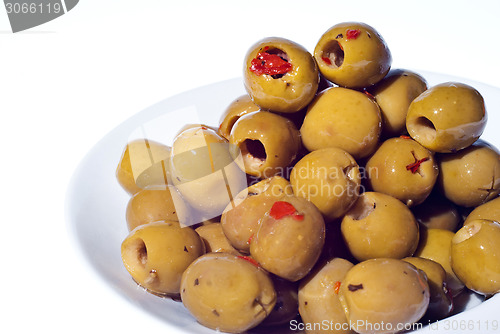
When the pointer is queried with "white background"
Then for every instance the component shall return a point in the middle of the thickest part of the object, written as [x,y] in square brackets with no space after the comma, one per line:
[67,83]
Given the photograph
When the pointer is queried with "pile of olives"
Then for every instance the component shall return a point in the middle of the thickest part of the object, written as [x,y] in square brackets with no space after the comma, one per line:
[337,191]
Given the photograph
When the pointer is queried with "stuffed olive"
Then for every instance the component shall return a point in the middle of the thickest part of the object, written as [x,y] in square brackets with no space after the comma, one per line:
[280,75]
[404,169]
[227,293]
[290,238]
[353,55]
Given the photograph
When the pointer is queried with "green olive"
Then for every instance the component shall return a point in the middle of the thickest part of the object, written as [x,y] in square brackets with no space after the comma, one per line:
[447,117]
[489,210]
[241,106]
[139,155]
[290,238]
[156,255]
[260,138]
[435,245]
[353,55]
[404,169]
[280,75]
[475,256]
[214,238]
[318,298]
[204,171]
[471,176]
[329,178]
[438,212]
[157,203]
[379,225]
[441,302]
[394,94]
[381,295]
[227,293]
[241,218]
[344,118]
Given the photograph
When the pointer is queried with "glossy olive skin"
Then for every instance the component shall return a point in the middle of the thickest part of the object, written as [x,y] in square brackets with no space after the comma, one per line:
[259,137]
[475,256]
[447,117]
[394,94]
[204,171]
[156,255]
[287,302]
[441,302]
[397,169]
[489,211]
[241,218]
[214,238]
[344,118]
[349,61]
[329,178]
[471,176]
[137,156]
[156,203]
[438,212]
[435,245]
[384,291]
[318,296]
[379,225]
[241,106]
[227,293]
[283,93]
[289,246]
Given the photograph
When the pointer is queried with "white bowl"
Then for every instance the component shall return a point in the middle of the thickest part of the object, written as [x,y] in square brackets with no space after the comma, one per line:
[96,203]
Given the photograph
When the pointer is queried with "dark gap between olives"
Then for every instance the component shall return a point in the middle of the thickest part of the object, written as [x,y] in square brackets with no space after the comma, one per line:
[251,148]
[334,52]
[426,128]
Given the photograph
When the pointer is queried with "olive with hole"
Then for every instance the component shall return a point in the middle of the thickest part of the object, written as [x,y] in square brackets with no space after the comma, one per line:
[139,155]
[343,118]
[156,255]
[447,117]
[489,211]
[241,106]
[204,172]
[227,293]
[319,301]
[404,169]
[435,245]
[438,212]
[475,256]
[440,302]
[241,218]
[353,54]
[214,238]
[268,143]
[470,177]
[394,94]
[330,178]
[379,225]
[157,203]
[384,295]
[290,238]
[280,75]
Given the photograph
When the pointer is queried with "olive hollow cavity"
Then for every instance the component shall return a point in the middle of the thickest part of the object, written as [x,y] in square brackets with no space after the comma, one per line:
[424,128]
[253,152]
[137,253]
[334,53]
